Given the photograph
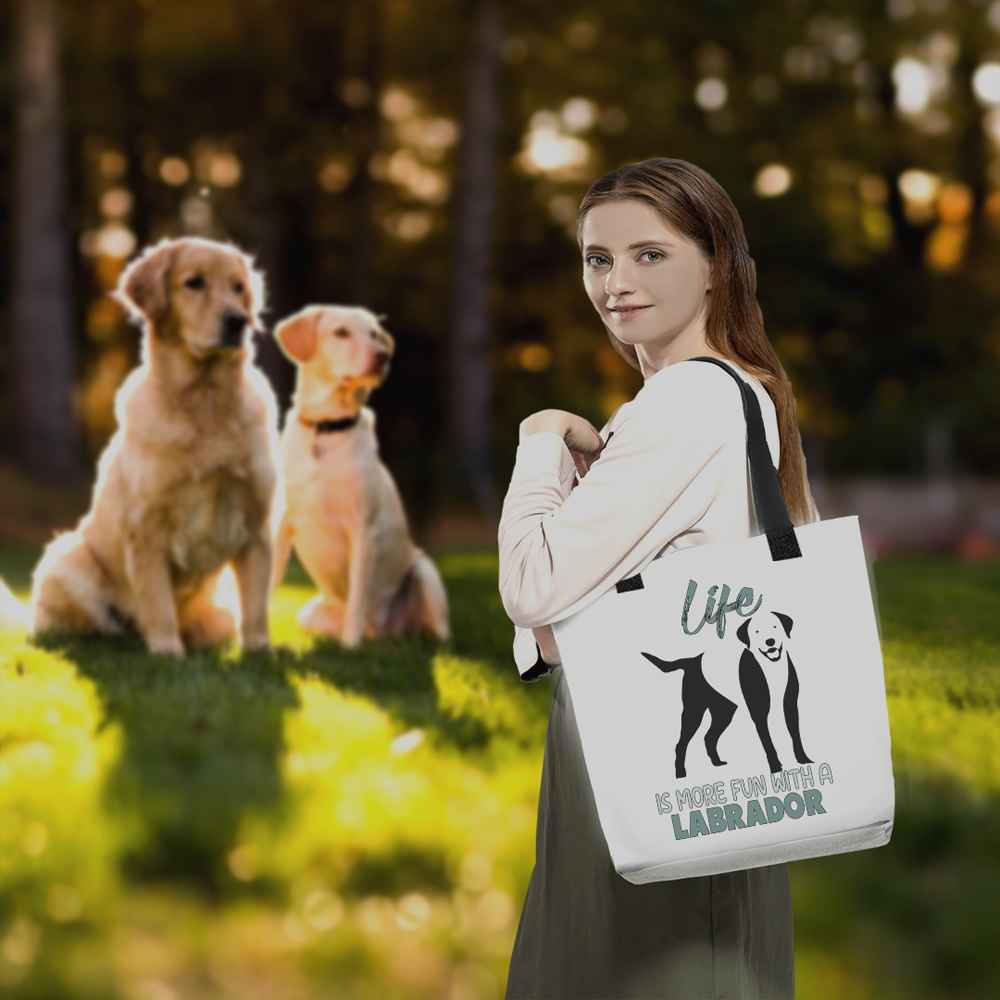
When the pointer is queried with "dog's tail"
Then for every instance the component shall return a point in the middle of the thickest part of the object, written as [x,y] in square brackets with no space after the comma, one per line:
[667,666]
[421,603]
[14,613]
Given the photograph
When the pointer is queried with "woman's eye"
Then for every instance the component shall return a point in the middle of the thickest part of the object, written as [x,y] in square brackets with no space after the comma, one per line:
[342,331]
[238,287]
[197,281]
[602,258]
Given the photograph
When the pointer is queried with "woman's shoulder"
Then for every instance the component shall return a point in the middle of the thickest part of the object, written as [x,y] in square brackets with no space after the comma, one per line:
[694,383]
[691,387]
[694,394]
[720,388]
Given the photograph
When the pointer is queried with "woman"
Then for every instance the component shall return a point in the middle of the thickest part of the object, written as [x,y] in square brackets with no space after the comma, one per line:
[667,268]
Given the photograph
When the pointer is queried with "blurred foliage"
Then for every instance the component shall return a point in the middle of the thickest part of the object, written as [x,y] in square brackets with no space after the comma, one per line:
[320,822]
[872,220]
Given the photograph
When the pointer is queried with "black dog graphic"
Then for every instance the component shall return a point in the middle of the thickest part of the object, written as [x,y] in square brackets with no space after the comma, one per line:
[763,635]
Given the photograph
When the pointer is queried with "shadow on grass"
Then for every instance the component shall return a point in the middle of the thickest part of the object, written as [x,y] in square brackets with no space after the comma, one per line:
[203,746]
[203,736]
[918,917]
[202,741]
[397,674]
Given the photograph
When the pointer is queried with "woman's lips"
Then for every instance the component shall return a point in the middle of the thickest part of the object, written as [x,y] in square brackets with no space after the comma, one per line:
[627,310]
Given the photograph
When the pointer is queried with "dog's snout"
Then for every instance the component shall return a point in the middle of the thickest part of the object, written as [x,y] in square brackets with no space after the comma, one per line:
[383,341]
[380,363]
[233,325]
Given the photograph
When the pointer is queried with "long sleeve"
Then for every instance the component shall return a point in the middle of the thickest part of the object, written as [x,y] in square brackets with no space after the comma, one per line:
[560,548]
[529,658]
[531,666]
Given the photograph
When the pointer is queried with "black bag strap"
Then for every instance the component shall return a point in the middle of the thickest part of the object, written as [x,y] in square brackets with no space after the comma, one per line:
[772,512]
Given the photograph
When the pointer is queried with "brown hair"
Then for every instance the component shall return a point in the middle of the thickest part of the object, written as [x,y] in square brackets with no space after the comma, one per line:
[696,205]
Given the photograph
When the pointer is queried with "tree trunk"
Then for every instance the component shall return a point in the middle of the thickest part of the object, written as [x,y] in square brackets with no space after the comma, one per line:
[43,348]
[470,378]
[361,194]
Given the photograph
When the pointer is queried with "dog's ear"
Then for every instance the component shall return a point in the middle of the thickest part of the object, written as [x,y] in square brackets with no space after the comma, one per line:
[297,335]
[142,287]
[258,290]
[743,633]
[785,621]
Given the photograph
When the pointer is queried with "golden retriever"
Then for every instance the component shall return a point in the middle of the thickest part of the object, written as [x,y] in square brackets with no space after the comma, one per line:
[341,510]
[186,484]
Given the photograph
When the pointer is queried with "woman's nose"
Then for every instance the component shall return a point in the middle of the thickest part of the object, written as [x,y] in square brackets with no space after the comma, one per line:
[616,281]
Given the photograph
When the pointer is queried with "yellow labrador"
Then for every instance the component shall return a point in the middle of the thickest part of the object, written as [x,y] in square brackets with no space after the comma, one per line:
[186,484]
[341,509]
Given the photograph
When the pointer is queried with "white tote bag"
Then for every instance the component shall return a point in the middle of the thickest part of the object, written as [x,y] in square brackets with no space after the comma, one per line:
[730,698]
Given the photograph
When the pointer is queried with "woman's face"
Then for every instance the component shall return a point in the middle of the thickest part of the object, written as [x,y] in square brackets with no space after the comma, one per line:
[631,257]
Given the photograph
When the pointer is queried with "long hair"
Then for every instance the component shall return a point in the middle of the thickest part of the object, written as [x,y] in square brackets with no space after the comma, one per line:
[695,204]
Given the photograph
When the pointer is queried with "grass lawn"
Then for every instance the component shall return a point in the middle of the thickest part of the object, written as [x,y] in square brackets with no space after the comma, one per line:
[321,823]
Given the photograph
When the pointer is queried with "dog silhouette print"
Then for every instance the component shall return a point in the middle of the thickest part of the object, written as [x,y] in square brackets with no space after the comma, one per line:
[765,667]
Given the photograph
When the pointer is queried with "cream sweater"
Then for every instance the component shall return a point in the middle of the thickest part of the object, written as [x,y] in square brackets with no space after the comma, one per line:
[674,474]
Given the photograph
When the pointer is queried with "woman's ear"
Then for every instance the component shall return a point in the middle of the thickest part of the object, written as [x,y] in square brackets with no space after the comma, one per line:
[297,335]
[142,287]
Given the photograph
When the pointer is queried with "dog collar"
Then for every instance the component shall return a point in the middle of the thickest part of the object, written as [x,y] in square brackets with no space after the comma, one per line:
[340,424]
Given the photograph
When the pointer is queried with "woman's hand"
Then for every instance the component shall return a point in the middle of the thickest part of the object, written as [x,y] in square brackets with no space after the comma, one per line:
[581,437]
[547,644]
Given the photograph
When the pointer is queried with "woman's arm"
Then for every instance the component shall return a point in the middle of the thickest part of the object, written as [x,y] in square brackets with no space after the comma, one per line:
[560,547]
[547,644]
[535,650]
[528,657]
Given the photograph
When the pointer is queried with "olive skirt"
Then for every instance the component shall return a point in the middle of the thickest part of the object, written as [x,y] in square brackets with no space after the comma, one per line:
[586,933]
